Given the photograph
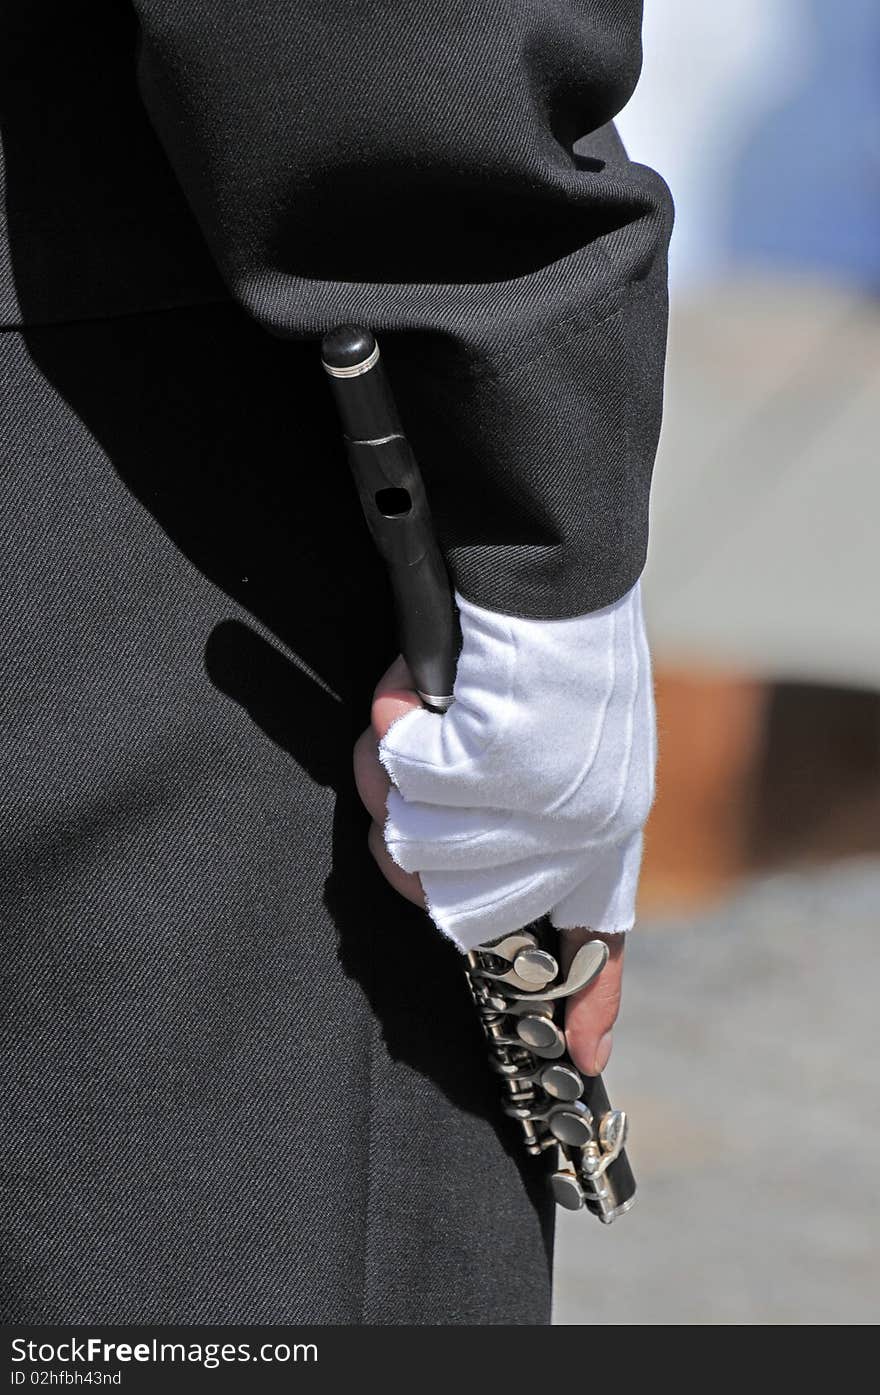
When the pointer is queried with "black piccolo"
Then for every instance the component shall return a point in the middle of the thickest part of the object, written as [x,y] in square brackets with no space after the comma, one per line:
[516,981]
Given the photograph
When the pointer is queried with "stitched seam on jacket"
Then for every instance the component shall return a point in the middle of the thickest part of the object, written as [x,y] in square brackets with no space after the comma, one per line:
[494,361]
[25,326]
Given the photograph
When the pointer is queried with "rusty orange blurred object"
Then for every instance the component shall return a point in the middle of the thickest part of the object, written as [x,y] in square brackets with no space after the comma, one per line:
[697,839]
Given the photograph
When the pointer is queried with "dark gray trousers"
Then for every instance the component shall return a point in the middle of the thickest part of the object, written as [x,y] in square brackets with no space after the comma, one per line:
[243,1081]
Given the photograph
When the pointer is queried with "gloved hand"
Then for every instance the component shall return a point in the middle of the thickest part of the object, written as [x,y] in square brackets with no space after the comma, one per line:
[529,796]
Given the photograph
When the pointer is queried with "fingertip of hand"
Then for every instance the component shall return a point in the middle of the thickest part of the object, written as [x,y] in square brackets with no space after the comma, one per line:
[406,883]
[394,696]
[603,1052]
[396,677]
[390,706]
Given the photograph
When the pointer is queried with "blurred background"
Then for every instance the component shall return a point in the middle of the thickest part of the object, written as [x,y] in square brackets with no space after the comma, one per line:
[747,1047]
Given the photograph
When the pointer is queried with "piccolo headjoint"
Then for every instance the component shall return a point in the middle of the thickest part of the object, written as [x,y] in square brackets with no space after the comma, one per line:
[520,992]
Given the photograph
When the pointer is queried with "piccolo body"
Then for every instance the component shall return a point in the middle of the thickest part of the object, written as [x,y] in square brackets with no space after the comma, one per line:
[395,506]
[516,982]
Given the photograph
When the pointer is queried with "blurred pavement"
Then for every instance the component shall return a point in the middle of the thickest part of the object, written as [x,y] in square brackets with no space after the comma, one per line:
[746,1056]
[747,1048]
[763,550]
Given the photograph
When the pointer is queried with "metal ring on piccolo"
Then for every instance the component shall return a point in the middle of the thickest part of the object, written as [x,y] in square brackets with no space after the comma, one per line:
[516,981]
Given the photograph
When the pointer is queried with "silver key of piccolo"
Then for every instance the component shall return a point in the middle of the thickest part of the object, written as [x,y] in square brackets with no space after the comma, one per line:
[541,1035]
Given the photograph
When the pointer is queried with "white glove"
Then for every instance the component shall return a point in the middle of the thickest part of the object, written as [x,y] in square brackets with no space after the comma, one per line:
[529,796]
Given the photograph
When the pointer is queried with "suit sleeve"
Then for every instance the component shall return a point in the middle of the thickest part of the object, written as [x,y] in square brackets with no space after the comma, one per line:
[447,173]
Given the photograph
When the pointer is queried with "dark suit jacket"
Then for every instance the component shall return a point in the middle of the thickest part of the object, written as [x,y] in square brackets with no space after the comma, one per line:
[243,1081]
[442,170]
